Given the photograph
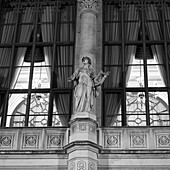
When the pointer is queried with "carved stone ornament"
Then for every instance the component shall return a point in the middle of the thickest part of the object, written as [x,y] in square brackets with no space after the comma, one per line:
[6,141]
[72,166]
[30,141]
[163,140]
[54,141]
[93,5]
[92,166]
[138,140]
[81,165]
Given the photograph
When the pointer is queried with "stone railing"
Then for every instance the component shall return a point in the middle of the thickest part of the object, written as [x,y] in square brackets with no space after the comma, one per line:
[135,138]
[44,139]
[33,139]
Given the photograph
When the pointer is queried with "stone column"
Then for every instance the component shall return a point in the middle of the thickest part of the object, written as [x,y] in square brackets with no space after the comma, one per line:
[88,10]
[83,146]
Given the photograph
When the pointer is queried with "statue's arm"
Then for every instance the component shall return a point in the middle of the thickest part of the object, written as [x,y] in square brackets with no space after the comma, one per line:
[74,76]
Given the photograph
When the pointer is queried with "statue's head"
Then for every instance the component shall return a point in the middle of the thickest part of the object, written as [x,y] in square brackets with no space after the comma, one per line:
[86,58]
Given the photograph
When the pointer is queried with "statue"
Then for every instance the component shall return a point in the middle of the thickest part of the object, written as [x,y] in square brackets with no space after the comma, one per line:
[86,85]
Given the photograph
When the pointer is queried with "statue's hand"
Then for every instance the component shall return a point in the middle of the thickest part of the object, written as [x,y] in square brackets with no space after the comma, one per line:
[69,79]
[105,74]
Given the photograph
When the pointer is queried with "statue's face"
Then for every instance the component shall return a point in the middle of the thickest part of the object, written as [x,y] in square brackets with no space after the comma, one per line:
[85,61]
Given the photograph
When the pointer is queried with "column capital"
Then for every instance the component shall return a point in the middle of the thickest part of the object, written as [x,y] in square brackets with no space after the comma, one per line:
[89,6]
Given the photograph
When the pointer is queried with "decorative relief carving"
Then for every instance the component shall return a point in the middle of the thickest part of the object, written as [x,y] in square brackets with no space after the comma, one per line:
[113,140]
[6,141]
[92,128]
[73,128]
[30,141]
[138,140]
[89,4]
[163,140]
[55,140]
[92,166]
[72,166]
[81,165]
[82,126]
[21,5]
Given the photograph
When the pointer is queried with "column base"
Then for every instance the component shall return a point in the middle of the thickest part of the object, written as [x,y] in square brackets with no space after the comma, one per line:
[83,127]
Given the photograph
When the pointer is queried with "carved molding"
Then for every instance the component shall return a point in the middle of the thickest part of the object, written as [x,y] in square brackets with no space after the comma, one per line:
[81,165]
[83,127]
[6,141]
[20,5]
[138,140]
[92,128]
[49,139]
[74,128]
[30,141]
[89,6]
[112,140]
[71,166]
[92,166]
[55,140]
[162,140]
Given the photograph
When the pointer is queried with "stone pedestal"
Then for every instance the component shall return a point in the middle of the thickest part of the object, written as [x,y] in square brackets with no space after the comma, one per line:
[83,127]
[83,147]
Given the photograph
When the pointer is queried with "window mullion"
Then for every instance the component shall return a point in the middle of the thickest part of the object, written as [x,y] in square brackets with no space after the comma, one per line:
[10,72]
[50,110]
[31,69]
[145,70]
[124,122]
[166,52]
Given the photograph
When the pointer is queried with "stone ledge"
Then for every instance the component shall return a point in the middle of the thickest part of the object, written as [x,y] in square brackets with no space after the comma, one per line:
[83,115]
[31,152]
[82,143]
[131,152]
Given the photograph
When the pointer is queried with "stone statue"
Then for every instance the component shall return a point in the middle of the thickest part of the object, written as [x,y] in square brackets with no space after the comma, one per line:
[86,85]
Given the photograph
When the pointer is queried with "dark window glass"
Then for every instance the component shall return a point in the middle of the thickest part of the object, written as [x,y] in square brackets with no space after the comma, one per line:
[34,63]
[136,52]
